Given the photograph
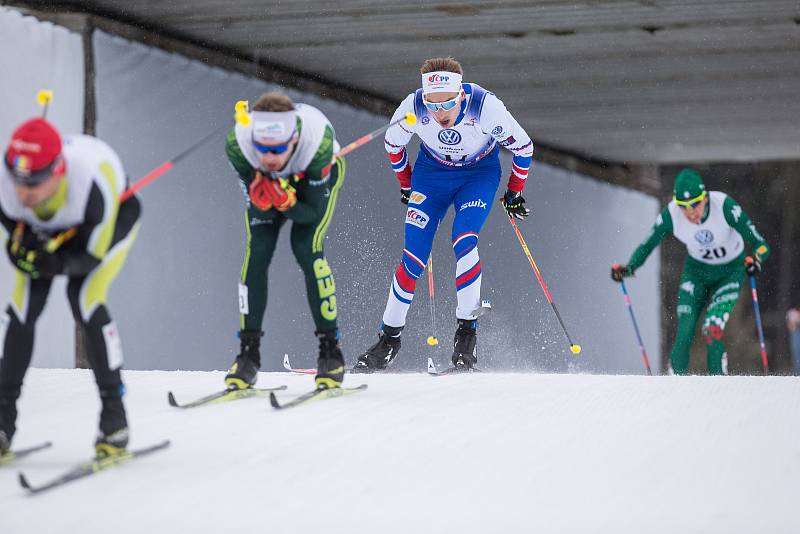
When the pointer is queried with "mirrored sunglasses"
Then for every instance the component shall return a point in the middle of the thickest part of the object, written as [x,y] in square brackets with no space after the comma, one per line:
[271,149]
[693,203]
[447,105]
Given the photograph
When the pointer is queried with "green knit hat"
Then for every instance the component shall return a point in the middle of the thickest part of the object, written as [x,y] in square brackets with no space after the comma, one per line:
[689,187]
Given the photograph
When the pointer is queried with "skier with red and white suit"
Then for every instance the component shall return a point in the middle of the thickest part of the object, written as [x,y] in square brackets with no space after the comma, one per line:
[461,127]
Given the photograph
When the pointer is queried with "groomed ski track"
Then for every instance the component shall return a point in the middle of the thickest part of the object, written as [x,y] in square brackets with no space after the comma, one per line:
[479,453]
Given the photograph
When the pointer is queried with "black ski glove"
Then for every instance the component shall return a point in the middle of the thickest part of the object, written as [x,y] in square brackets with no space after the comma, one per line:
[514,205]
[36,262]
[405,195]
[752,266]
[618,272]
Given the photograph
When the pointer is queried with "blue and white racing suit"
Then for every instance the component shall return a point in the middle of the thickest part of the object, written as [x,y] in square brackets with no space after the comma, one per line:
[458,166]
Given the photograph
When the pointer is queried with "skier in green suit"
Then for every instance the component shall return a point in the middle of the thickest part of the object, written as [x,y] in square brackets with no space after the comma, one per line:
[284,157]
[714,228]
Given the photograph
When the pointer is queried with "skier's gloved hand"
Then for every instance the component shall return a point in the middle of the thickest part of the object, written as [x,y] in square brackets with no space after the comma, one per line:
[618,272]
[405,195]
[281,195]
[752,266]
[514,205]
[258,192]
[36,262]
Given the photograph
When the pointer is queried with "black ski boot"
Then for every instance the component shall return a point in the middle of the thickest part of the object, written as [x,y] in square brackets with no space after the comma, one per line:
[8,418]
[330,364]
[112,439]
[465,345]
[244,371]
[381,354]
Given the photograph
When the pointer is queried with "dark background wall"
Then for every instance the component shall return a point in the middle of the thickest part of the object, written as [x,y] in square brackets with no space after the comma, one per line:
[770,194]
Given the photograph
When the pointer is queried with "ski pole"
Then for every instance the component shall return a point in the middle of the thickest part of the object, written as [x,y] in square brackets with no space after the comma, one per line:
[635,326]
[575,348]
[432,340]
[43,98]
[748,260]
[156,173]
[409,117]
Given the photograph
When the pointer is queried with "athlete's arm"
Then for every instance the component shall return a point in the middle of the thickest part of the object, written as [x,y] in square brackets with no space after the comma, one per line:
[498,122]
[739,221]
[396,139]
[661,228]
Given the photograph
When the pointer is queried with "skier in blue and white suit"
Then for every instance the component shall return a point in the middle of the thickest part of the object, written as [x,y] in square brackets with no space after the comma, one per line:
[461,127]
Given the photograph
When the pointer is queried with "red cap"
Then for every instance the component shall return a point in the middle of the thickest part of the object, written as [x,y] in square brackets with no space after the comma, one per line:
[34,147]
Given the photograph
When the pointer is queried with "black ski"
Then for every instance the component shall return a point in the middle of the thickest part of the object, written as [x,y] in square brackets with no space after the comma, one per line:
[317,394]
[450,370]
[90,468]
[223,396]
[10,456]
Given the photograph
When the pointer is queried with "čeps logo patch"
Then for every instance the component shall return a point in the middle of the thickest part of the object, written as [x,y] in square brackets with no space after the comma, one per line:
[417,217]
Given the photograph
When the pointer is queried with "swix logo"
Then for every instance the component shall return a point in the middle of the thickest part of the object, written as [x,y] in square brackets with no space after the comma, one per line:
[417,217]
[473,204]
[21,146]
[437,78]
[449,137]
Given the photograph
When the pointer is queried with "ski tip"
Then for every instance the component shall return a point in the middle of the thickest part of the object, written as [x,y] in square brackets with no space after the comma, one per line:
[24,482]
[273,400]
[431,367]
[286,364]
[171,400]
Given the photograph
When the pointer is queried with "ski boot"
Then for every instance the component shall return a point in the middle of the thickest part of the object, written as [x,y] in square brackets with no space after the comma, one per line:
[330,364]
[8,417]
[112,439]
[381,354]
[244,371]
[465,345]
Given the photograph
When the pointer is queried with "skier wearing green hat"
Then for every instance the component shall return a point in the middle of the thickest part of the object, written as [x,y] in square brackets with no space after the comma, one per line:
[713,227]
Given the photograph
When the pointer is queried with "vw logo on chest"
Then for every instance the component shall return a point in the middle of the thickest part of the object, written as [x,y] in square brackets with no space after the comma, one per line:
[449,137]
[704,237]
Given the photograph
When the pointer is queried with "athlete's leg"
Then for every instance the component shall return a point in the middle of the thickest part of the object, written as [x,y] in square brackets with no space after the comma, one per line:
[17,329]
[262,236]
[472,204]
[429,202]
[308,242]
[308,248]
[722,300]
[87,296]
[691,297]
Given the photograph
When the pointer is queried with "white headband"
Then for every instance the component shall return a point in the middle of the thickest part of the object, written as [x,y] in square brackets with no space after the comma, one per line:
[441,82]
[273,127]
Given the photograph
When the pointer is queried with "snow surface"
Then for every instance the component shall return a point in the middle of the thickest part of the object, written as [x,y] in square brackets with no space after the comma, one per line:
[475,453]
